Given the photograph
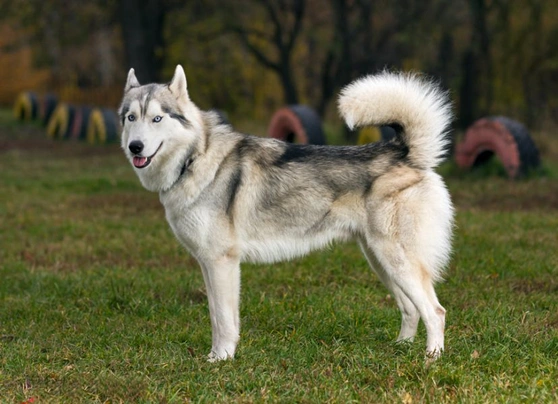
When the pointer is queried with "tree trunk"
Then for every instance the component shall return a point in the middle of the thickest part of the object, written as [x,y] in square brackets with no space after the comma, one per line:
[468,91]
[288,83]
[142,32]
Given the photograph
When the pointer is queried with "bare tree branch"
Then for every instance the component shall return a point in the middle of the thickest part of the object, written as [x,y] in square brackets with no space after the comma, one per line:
[255,51]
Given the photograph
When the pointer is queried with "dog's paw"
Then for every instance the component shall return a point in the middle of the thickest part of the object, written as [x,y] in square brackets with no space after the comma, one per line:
[217,355]
[212,357]
[432,356]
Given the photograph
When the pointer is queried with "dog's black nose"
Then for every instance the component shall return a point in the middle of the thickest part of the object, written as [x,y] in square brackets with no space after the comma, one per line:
[136,146]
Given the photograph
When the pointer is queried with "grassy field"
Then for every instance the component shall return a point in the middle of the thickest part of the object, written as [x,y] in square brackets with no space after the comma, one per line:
[100,304]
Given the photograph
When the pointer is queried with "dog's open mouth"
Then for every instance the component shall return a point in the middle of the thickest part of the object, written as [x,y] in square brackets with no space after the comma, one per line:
[142,162]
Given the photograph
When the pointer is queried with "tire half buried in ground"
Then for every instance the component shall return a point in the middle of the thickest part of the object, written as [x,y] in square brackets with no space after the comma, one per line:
[60,123]
[102,126]
[372,134]
[78,130]
[47,105]
[26,106]
[504,137]
[297,124]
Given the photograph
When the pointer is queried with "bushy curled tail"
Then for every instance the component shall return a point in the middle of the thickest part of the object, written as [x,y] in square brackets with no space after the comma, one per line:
[419,106]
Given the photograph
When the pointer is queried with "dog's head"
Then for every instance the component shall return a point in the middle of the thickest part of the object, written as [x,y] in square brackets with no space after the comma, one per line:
[161,129]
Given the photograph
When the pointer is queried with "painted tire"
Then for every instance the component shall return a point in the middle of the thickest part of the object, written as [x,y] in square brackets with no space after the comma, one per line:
[500,136]
[388,133]
[47,105]
[297,124]
[78,130]
[26,106]
[371,134]
[102,126]
[60,123]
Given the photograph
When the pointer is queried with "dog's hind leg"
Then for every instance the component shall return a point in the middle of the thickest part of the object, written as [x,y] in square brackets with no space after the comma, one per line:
[410,277]
[409,314]
[222,280]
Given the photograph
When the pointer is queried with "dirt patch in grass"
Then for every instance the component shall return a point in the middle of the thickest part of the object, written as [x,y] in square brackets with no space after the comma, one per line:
[525,202]
[530,286]
[30,139]
[504,195]
[58,148]
[127,203]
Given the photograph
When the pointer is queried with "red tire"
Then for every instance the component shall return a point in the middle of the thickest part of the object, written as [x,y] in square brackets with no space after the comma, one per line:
[297,124]
[500,136]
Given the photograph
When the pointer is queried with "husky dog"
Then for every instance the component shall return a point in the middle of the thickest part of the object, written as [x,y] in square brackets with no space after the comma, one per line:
[231,197]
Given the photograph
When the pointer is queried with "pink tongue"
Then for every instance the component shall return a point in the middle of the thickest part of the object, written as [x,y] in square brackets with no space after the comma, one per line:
[139,161]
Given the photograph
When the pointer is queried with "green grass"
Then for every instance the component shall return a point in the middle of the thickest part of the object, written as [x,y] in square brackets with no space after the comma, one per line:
[100,304]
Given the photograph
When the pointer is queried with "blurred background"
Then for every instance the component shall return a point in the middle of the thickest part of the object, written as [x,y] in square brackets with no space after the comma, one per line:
[249,57]
[101,304]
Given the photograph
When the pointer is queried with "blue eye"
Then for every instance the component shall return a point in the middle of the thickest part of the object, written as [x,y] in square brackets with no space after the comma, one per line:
[131,118]
[157,118]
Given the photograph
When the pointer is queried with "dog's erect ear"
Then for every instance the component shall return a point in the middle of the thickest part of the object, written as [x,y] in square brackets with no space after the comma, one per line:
[132,81]
[178,84]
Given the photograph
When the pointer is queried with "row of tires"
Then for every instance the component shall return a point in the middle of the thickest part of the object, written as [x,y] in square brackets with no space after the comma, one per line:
[294,123]
[499,136]
[65,121]
[301,124]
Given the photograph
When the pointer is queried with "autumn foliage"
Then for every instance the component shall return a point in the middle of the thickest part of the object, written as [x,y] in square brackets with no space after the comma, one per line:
[251,57]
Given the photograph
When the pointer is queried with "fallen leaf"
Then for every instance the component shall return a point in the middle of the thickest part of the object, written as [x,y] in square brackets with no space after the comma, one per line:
[407,398]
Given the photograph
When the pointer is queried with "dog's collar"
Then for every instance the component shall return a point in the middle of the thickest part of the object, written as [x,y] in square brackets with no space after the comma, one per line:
[186,165]
[183,170]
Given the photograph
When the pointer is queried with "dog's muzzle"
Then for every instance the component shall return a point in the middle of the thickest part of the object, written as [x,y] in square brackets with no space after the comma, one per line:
[136,147]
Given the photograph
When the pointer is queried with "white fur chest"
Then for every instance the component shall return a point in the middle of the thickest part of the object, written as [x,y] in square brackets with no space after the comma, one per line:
[190,222]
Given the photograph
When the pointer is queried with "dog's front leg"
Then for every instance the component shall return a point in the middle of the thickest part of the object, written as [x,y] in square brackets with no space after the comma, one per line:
[222,281]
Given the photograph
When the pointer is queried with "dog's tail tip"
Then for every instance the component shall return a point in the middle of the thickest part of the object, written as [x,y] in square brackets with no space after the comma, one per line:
[350,122]
[416,104]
